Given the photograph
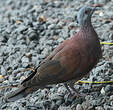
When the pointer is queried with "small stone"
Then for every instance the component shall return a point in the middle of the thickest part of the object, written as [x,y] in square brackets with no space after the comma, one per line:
[52,90]
[3,71]
[60,40]
[64,108]
[101,14]
[85,105]
[2,39]
[52,26]
[3,106]
[35,60]
[79,107]
[23,77]
[11,78]
[19,21]
[103,91]
[42,19]
[25,59]
[44,92]
[60,24]
[45,51]
[1,60]
[62,90]
[100,1]
[16,71]
[29,55]
[41,56]
[72,32]
[22,28]
[54,106]
[72,26]
[1,78]
[55,97]
[5,82]
[108,88]
[19,75]
[99,108]
[108,107]
[58,4]
[59,102]
[32,34]
[25,65]
[111,97]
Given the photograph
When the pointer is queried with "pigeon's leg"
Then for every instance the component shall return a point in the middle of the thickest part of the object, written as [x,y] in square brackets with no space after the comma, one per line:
[66,86]
[74,93]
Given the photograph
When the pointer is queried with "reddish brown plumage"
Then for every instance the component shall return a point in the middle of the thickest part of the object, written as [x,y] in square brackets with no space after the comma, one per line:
[71,60]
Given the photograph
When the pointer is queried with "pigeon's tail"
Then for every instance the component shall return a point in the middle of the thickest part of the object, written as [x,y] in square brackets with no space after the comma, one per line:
[19,93]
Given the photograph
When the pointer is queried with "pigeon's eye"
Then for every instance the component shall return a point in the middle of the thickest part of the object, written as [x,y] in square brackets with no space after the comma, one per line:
[86,12]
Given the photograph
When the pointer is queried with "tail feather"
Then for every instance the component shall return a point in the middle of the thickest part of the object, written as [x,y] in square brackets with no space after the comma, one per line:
[19,93]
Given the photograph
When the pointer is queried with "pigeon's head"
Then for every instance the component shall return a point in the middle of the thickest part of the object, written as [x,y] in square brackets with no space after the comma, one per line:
[84,15]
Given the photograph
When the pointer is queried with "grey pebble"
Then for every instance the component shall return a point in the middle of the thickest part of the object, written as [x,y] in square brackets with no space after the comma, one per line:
[3,71]
[99,108]
[11,41]
[108,107]
[25,64]
[25,59]
[85,105]
[64,108]
[54,106]
[1,60]
[108,88]
[79,107]
[32,34]
[18,70]
[111,97]
[101,1]
[58,4]
[3,106]
[60,24]
[61,90]
[22,28]
[1,80]
[55,97]
[60,40]
[52,26]
[35,60]
[59,102]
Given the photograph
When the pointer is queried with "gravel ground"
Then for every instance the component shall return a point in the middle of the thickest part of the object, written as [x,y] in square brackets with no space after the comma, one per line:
[30,30]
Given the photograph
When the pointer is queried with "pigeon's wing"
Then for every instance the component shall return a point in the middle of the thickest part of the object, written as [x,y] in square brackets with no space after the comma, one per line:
[61,68]
[59,48]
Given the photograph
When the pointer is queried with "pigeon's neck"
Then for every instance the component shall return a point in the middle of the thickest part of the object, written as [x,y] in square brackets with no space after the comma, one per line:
[87,31]
[85,23]
[86,26]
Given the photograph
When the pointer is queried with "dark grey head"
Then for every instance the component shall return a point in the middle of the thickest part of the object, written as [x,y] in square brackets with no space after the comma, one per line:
[84,15]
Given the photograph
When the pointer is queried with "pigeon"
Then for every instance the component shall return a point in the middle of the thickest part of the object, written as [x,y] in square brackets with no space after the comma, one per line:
[69,62]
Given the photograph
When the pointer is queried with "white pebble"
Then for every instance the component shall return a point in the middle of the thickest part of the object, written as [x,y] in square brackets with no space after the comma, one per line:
[101,14]
[102,91]
[99,108]
[79,107]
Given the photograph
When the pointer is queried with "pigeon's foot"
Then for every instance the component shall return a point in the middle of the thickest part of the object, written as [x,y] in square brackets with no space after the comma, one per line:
[73,92]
